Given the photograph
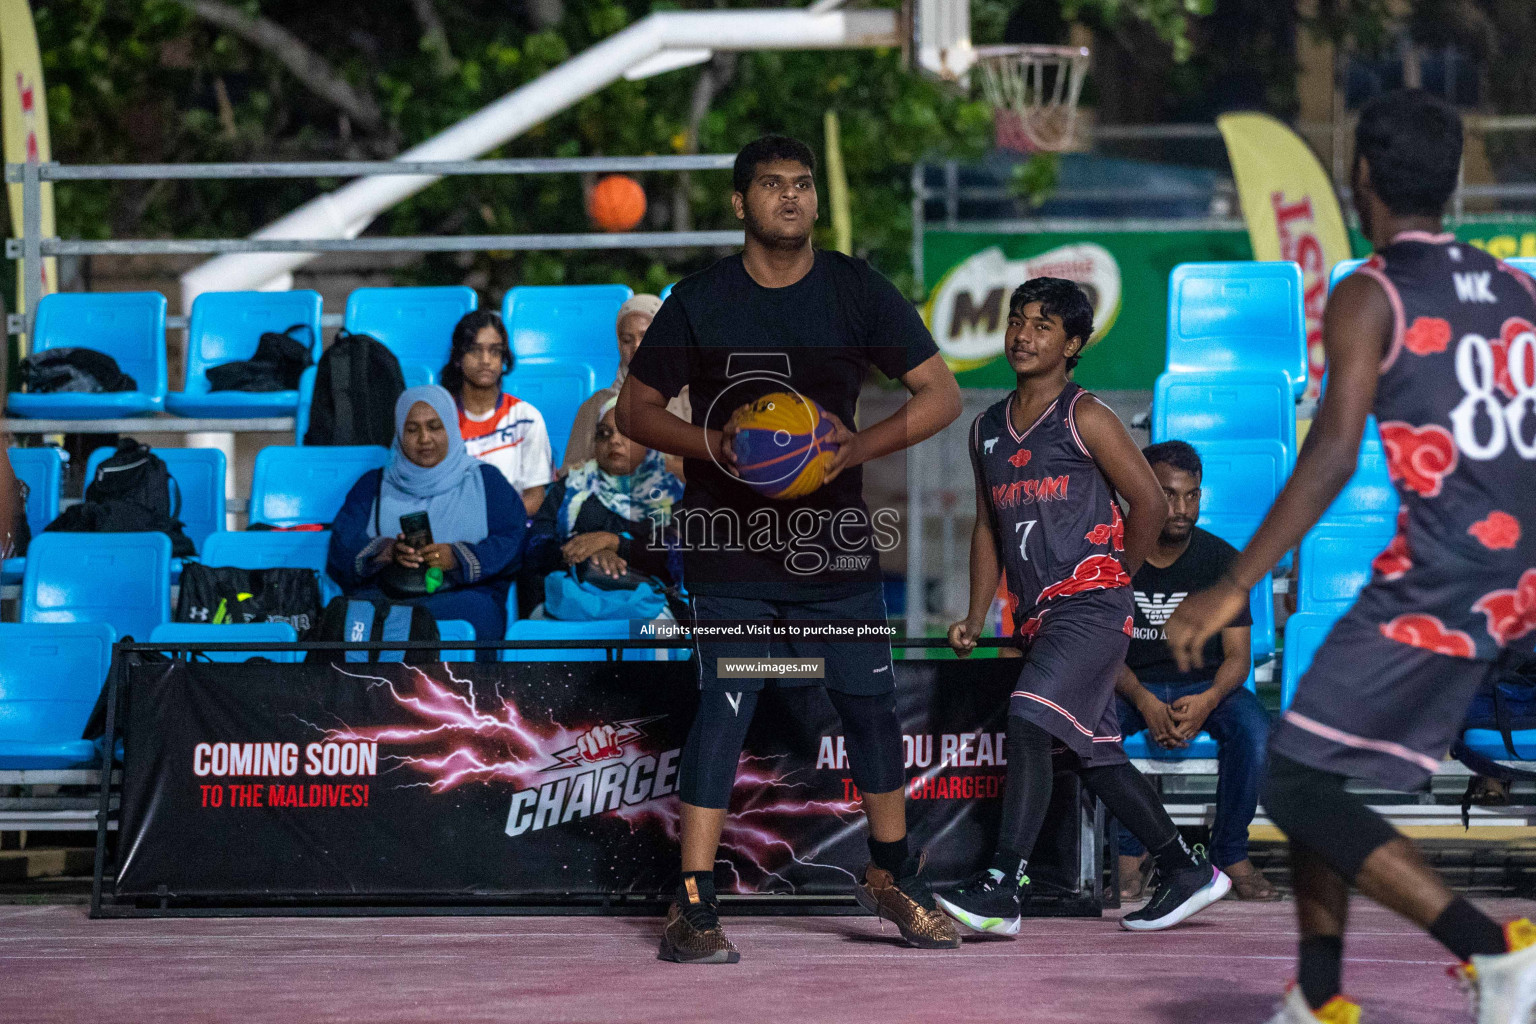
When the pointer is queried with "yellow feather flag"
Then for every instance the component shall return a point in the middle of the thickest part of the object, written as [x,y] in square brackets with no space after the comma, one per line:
[1291,210]
[24,120]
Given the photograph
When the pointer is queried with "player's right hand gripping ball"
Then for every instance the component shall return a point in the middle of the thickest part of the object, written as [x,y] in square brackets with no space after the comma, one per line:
[782,445]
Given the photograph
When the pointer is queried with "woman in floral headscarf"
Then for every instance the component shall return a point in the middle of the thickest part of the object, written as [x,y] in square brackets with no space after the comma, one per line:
[608,512]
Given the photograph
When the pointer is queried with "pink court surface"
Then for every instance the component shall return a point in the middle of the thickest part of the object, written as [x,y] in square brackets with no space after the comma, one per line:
[1226,967]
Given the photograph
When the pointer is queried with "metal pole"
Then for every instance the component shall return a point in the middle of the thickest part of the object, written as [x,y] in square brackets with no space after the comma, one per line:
[917,608]
[104,804]
[919,211]
[31,242]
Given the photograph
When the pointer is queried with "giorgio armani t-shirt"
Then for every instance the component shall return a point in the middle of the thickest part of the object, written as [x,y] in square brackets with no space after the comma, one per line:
[731,341]
[1159,591]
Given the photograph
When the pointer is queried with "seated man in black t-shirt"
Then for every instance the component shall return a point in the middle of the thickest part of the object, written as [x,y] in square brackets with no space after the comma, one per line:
[1175,706]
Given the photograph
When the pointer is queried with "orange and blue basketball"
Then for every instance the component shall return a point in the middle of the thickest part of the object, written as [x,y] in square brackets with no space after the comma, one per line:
[783,444]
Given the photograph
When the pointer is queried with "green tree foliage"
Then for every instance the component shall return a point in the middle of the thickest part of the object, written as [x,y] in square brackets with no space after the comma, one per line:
[161,81]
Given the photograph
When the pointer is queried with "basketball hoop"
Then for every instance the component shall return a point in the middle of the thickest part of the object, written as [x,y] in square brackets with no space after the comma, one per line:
[1037,87]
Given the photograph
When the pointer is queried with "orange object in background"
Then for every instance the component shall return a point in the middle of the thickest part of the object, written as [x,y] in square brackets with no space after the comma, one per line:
[617,203]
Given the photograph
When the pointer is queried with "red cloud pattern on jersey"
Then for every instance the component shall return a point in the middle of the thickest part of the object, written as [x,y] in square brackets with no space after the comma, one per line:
[1512,329]
[1419,456]
[1395,559]
[1096,572]
[1029,628]
[1429,633]
[1511,613]
[1020,458]
[1130,626]
[1111,533]
[1427,335]
[1499,532]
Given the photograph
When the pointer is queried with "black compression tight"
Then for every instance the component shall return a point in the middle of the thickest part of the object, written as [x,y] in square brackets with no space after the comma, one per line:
[707,771]
[1027,792]
[1127,795]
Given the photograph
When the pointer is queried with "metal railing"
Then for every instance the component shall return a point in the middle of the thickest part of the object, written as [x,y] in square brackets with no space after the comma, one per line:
[32,248]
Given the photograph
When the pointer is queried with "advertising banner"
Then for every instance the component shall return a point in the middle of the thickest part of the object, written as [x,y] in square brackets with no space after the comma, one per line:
[1125,274]
[543,780]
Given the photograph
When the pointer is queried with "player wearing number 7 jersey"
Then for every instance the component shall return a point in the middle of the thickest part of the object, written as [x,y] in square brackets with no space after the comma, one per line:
[1434,337]
[1048,460]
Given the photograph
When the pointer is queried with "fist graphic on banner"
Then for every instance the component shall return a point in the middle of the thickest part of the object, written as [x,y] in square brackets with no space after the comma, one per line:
[599,744]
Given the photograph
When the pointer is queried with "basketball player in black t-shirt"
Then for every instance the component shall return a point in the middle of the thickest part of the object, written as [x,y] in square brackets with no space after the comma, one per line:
[784,316]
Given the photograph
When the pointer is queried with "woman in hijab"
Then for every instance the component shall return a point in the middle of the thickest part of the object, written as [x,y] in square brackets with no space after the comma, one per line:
[475,518]
[607,511]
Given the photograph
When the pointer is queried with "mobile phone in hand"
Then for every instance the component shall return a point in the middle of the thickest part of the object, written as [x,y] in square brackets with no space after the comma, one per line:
[416,528]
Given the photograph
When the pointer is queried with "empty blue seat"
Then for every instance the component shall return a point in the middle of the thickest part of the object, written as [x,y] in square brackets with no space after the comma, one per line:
[254,632]
[416,324]
[1240,482]
[1336,564]
[1526,264]
[567,322]
[199,476]
[273,549]
[42,470]
[225,328]
[456,629]
[1225,406]
[123,579]
[50,678]
[128,326]
[1304,634]
[557,390]
[1369,495]
[1237,316]
[555,629]
[299,486]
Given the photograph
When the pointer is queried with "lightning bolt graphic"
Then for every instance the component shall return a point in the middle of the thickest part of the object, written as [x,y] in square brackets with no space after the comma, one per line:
[460,736]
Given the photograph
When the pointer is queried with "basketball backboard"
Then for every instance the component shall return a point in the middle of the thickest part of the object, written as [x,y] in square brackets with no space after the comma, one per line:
[941,37]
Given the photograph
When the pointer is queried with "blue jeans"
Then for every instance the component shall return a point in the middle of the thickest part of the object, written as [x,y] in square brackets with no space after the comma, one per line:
[1240,727]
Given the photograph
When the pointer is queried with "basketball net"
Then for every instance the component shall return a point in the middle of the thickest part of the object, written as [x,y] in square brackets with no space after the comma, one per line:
[1034,92]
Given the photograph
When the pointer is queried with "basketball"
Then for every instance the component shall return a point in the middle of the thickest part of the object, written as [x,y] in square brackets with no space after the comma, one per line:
[783,444]
[617,203]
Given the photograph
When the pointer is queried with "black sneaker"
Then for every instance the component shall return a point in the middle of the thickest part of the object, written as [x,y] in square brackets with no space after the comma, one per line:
[693,935]
[1179,897]
[988,901]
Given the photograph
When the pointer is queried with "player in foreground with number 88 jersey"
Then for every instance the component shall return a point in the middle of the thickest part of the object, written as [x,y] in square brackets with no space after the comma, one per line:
[1048,460]
[1434,337]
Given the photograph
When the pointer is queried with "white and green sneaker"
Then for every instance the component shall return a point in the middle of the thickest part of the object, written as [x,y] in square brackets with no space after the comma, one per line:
[988,901]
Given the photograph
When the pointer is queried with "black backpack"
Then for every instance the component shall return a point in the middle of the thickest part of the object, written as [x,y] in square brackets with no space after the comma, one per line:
[356,385]
[276,366]
[131,492]
[352,619]
[216,595]
[83,370]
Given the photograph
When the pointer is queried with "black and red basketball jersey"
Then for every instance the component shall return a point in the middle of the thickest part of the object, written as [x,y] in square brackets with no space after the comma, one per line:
[1456,403]
[1054,516]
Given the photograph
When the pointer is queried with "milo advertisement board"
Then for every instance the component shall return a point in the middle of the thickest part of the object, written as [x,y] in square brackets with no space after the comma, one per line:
[1125,275]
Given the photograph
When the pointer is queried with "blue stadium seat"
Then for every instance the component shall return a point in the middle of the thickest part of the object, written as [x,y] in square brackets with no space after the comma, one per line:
[456,629]
[1203,745]
[1304,634]
[301,412]
[1336,564]
[566,322]
[1341,270]
[123,579]
[1224,406]
[128,326]
[557,390]
[1526,264]
[225,328]
[1369,496]
[555,629]
[50,678]
[273,549]
[1240,480]
[255,632]
[199,476]
[1237,316]
[665,292]
[298,486]
[416,324]
[42,470]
